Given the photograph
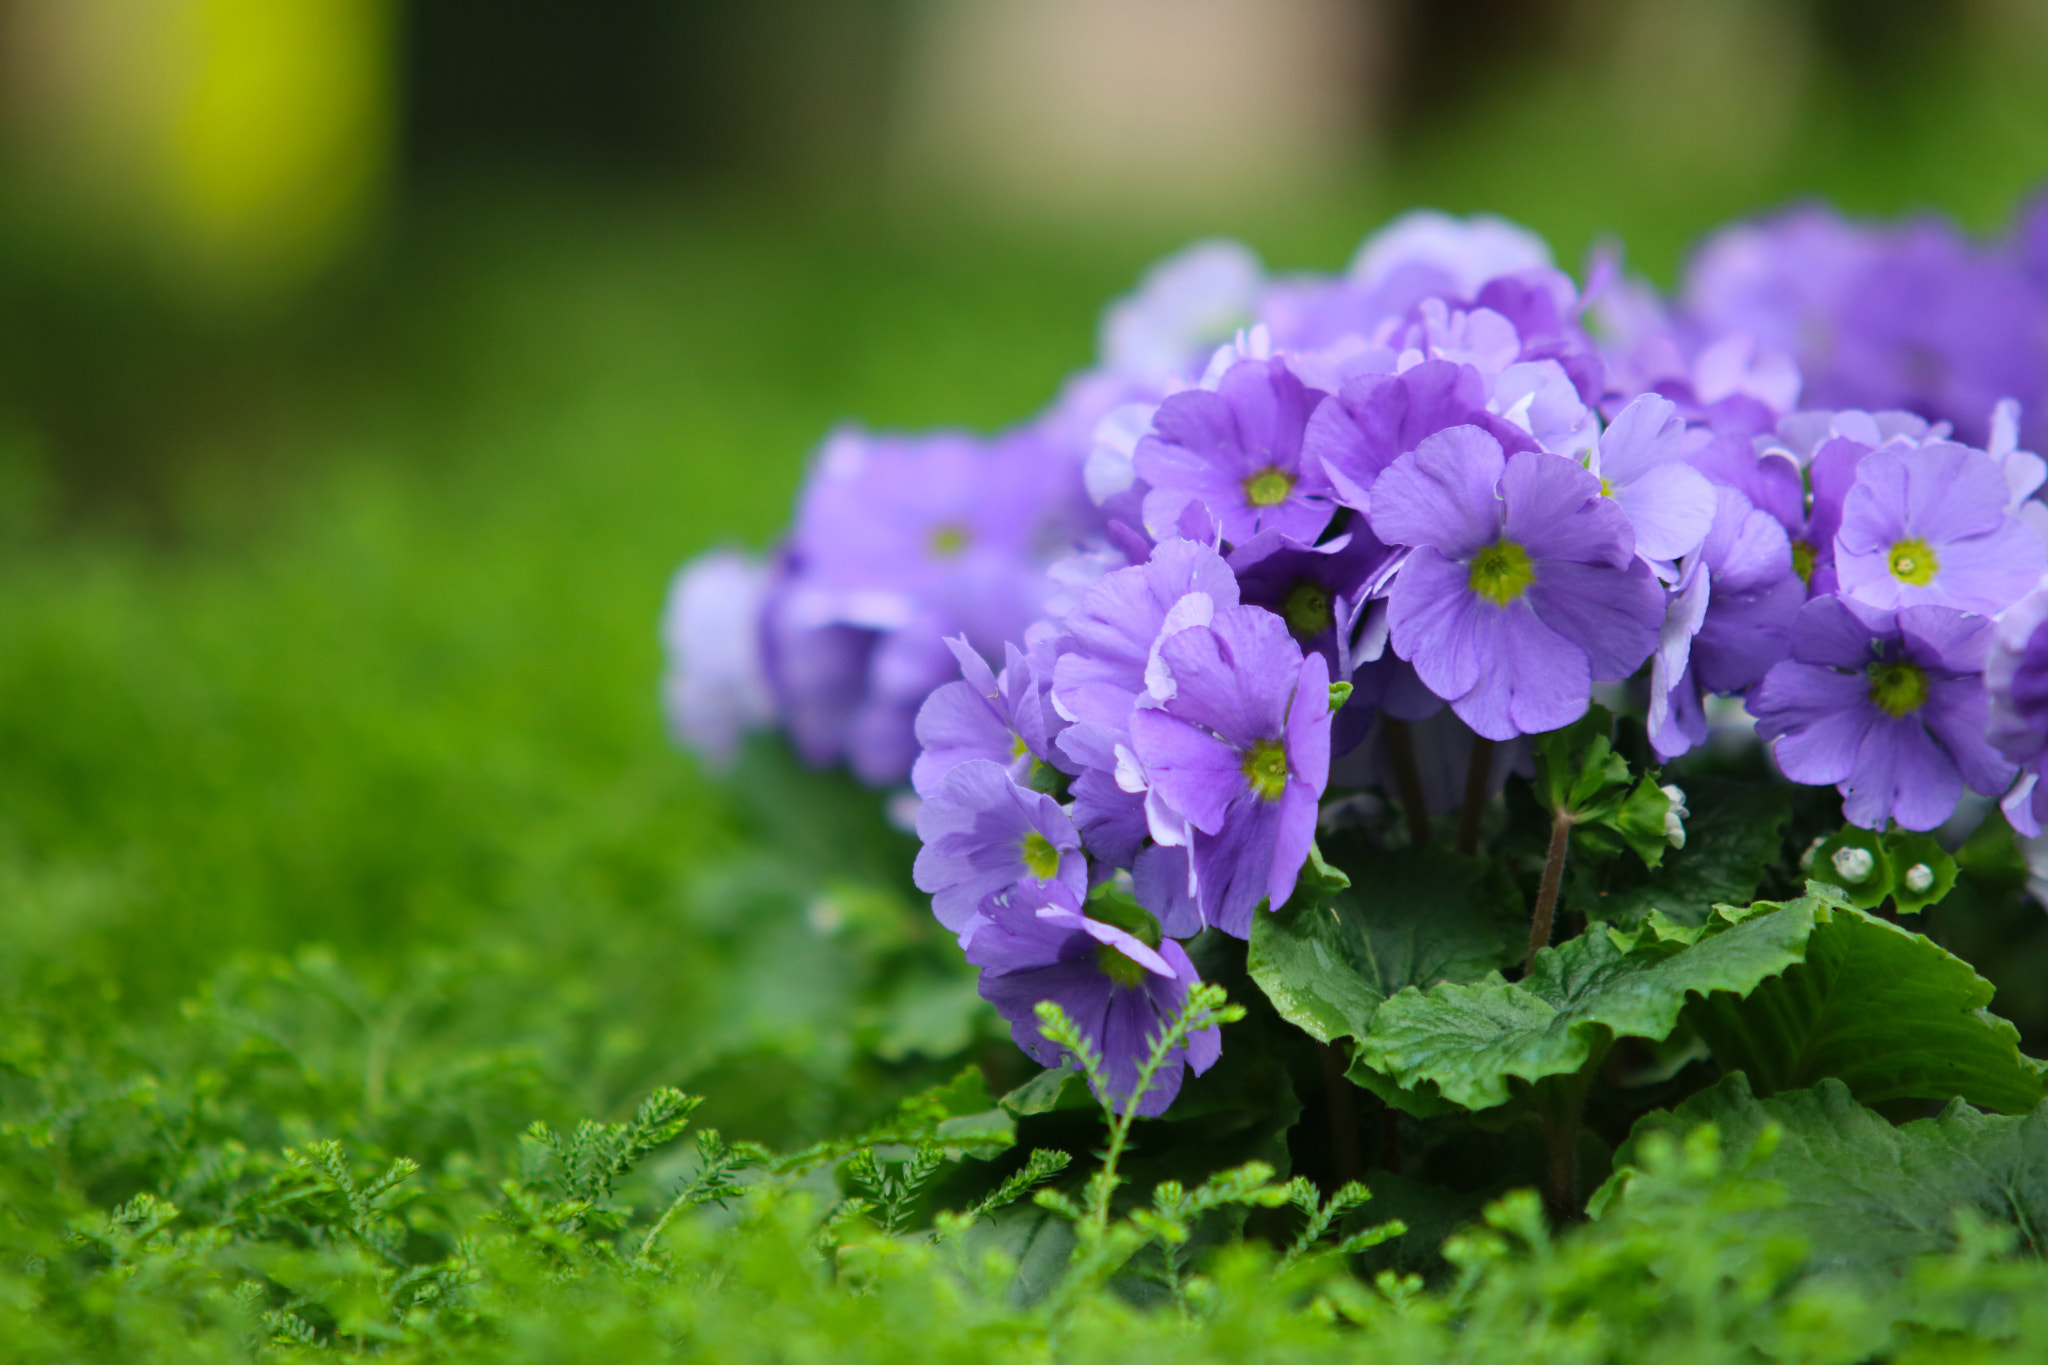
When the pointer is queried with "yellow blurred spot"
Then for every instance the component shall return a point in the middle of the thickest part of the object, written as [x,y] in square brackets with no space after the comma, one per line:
[244,142]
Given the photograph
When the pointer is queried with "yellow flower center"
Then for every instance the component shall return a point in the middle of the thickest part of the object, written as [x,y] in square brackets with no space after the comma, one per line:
[1117,967]
[1802,560]
[1898,689]
[1306,609]
[1913,562]
[948,540]
[1041,859]
[1269,487]
[1501,572]
[1265,767]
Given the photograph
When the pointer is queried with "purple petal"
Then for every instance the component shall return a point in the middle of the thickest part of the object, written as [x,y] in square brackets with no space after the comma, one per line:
[1443,494]
[1194,771]
[1159,881]
[1613,615]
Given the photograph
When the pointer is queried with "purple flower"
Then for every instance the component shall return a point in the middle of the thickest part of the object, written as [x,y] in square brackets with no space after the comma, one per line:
[1756,595]
[984,834]
[1524,585]
[947,527]
[1120,990]
[1377,418]
[1240,751]
[2016,679]
[1729,622]
[715,689]
[1237,450]
[817,675]
[1888,706]
[1185,306]
[1914,317]
[1008,720]
[1447,255]
[1320,591]
[1108,641]
[1929,527]
[1640,465]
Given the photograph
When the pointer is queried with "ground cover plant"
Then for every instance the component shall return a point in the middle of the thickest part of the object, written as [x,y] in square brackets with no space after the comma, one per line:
[457,1134]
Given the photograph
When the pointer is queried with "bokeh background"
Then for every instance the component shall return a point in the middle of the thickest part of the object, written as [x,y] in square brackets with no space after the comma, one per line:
[367,366]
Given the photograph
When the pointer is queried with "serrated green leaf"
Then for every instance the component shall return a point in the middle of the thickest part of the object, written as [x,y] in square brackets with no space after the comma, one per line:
[1866,1197]
[1463,1043]
[1732,835]
[1886,1010]
[1411,917]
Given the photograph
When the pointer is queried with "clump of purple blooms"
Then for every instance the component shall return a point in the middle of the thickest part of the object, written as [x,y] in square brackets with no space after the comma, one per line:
[1115,651]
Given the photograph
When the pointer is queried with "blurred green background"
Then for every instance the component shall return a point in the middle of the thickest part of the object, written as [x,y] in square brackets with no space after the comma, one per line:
[366,368]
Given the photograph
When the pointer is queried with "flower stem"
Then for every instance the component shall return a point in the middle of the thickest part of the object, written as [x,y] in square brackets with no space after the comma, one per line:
[1478,777]
[1407,779]
[1345,1159]
[1561,1101]
[1546,891]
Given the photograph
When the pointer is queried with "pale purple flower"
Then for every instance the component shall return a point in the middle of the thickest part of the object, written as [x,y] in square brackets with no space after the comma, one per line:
[1108,640]
[983,834]
[1241,752]
[1321,592]
[1888,706]
[1375,419]
[1929,527]
[1182,309]
[1237,450]
[1914,316]
[1640,464]
[1118,989]
[1008,718]
[1729,621]
[2016,679]
[715,689]
[1446,255]
[946,527]
[1524,585]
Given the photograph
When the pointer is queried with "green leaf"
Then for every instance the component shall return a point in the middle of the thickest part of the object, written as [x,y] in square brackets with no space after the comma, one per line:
[1886,1010]
[1867,1198]
[1577,768]
[1640,821]
[1461,1044]
[1416,916]
[1922,871]
[1733,833]
[1056,1089]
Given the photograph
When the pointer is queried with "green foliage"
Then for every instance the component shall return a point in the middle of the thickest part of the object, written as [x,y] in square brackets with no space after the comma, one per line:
[1880,1008]
[1462,1044]
[1581,779]
[1866,1199]
[1416,916]
[1734,832]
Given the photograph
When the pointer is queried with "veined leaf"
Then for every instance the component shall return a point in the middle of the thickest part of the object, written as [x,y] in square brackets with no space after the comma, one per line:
[1864,1196]
[1462,1043]
[1887,1011]
[1409,917]
[1731,836]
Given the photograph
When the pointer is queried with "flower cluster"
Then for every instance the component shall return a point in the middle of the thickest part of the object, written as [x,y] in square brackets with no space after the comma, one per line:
[1287,516]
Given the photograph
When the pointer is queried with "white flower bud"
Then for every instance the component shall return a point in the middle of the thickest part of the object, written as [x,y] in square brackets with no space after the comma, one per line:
[1856,864]
[1674,816]
[1919,877]
[1806,858]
